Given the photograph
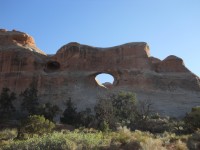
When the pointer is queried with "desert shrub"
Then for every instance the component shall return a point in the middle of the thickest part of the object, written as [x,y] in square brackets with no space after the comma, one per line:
[46,142]
[132,145]
[148,141]
[194,141]
[142,136]
[88,140]
[123,138]
[145,110]
[123,135]
[152,144]
[173,141]
[49,111]
[104,126]
[168,137]
[85,118]
[179,145]
[177,126]
[8,134]
[62,141]
[35,125]
[144,117]
[155,125]
[137,139]
[192,119]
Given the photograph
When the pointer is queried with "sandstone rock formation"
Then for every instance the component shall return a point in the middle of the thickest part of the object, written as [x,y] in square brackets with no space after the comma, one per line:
[71,72]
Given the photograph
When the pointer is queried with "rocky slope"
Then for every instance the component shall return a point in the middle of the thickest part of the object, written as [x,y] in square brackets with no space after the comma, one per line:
[71,72]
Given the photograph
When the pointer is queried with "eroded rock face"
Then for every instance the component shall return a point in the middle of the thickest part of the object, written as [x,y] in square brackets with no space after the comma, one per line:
[71,72]
[15,39]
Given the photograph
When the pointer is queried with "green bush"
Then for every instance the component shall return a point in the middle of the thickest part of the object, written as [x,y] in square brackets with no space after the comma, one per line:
[62,141]
[192,119]
[49,111]
[180,145]
[35,125]
[161,125]
[104,113]
[124,104]
[86,118]
[143,115]
[116,109]
[104,126]
[123,135]
[194,141]
[8,134]
[154,125]
[88,140]
[54,141]
[92,139]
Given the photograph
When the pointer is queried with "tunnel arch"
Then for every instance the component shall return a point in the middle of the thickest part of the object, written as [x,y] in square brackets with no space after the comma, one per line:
[105,79]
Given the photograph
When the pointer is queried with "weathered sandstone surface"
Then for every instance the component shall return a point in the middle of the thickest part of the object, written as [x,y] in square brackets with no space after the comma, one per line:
[71,72]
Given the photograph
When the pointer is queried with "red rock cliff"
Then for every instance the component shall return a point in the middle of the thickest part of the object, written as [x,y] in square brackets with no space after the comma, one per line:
[72,70]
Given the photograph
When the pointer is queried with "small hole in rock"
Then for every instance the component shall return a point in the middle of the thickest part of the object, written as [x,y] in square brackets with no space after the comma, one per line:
[53,65]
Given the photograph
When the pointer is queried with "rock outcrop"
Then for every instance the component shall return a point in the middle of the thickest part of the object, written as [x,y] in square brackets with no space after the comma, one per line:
[71,72]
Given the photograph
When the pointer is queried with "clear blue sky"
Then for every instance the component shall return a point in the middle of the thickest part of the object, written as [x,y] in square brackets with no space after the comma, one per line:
[170,27]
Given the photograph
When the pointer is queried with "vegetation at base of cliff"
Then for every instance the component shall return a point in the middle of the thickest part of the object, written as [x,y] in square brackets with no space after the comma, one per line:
[122,138]
[110,112]
[122,109]
[29,105]
[118,121]
[34,125]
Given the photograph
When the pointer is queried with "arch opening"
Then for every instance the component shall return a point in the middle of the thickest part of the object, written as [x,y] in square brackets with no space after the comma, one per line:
[53,65]
[105,80]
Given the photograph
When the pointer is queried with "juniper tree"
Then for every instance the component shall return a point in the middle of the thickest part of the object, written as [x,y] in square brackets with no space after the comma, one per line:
[6,101]
[30,102]
[70,114]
